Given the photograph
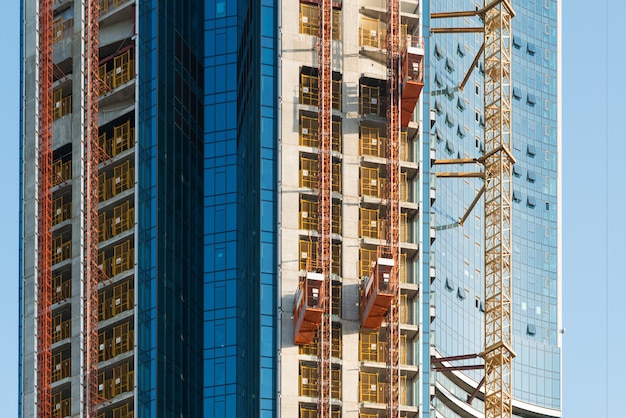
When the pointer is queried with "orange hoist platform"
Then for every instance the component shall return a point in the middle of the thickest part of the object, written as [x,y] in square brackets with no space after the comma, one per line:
[308,308]
[378,292]
[412,77]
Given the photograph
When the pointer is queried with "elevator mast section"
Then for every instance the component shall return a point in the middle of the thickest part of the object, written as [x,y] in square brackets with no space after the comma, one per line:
[92,159]
[44,202]
[324,246]
[392,249]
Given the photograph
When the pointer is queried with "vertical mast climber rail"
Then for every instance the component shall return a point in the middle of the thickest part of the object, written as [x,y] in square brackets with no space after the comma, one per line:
[44,201]
[93,154]
[392,248]
[324,351]
[498,160]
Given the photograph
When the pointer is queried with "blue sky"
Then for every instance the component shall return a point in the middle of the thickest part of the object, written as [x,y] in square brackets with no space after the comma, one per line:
[594,197]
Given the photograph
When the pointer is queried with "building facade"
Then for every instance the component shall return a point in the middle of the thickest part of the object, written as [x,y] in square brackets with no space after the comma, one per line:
[187,208]
[208,208]
[458,132]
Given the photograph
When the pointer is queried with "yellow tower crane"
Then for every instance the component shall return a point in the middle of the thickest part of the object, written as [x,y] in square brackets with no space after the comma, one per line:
[498,353]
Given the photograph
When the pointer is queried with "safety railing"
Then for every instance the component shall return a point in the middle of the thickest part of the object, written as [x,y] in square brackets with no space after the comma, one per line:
[369,224]
[61,407]
[61,367]
[122,300]
[312,413]
[62,28]
[60,329]
[108,5]
[309,91]
[123,259]
[308,256]
[123,179]
[121,340]
[309,215]
[61,289]
[372,349]
[372,390]
[367,258]
[61,210]
[308,382]
[121,381]
[61,250]
[123,139]
[120,72]
[309,174]
[61,171]
[309,133]
[311,349]
[123,220]
[309,21]
[373,33]
[61,105]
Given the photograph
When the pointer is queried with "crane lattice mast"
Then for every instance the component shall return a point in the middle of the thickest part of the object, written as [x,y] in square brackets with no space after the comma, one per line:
[92,158]
[44,211]
[392,248]
[498,354]
[324,351]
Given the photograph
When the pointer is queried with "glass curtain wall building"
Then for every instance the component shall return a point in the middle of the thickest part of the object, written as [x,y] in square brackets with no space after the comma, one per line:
[457,253]
[187,209]
[208,208]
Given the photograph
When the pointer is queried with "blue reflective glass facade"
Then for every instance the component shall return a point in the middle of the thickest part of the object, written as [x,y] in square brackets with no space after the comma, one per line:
[240,341]
[457,253]
[170,222]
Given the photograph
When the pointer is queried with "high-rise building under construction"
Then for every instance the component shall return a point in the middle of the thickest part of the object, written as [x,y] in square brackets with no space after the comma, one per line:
[290,209]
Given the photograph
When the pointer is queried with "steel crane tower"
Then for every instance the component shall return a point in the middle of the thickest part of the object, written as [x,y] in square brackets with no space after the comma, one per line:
[324,351]
[498,160]
[392,249]
[91,159]
[93,155]
[498,354]
[44,212]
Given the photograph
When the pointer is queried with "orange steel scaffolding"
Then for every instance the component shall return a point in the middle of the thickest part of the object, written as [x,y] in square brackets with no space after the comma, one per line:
[93,155]
[44,276]
[324,352]
[393,203]
[380,292]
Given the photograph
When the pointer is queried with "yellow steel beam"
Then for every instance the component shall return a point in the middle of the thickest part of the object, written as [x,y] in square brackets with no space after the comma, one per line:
[456,161]
[444,15]
[457,30]
[471,207]
[471,68]
[463,174]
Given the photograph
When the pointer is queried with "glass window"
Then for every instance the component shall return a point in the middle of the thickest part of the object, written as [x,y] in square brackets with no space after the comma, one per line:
[449,66]
[517,42]
[438,54]
[449,148]
[460,49]
[530,329]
